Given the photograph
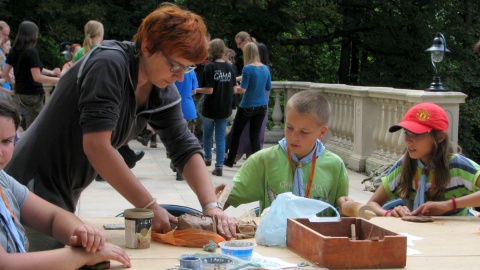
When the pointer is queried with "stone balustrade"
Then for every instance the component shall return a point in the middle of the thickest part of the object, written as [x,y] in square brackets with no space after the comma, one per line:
[48,88]
[361,116]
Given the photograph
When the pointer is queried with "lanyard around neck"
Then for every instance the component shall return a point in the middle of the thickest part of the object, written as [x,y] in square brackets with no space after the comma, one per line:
[432,186]
[312,170]
[15,220]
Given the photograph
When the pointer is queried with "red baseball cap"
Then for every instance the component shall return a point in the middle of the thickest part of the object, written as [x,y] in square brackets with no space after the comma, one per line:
[422,118]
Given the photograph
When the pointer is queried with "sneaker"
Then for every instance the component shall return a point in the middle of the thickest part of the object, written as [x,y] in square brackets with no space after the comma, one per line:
[208,162]
[180,177]
[218,171]
[153,145]
[139,155]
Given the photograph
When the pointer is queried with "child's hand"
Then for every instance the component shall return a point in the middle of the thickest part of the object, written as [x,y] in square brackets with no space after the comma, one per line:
[432,208]
[89,237]
[219,189]
[109,252]
[400,211]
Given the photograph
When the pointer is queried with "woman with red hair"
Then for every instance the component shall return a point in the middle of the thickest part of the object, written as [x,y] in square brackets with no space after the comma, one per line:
[104,101]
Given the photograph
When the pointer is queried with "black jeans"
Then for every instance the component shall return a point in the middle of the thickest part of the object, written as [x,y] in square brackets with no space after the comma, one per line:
[255,115]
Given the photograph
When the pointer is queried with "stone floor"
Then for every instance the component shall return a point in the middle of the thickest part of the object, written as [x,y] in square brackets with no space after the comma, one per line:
[101,200]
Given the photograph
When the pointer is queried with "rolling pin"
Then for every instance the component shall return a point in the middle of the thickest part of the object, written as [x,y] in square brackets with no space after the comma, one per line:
[357,209]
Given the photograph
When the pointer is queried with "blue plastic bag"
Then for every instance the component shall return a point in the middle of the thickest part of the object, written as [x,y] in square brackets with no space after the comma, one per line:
[272,230]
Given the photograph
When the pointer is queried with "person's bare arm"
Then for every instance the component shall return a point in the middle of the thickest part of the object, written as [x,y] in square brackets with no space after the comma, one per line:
[6,75]
[196,174]
[62,258]
[379,198]
[40,78]
[88,243]
[108,163]
[205,90]
[436,208]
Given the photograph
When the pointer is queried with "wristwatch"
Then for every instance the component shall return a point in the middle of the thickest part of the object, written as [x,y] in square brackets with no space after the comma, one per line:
[212,205]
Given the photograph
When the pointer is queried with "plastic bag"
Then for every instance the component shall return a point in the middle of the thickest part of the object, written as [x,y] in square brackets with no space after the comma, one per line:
[272,230]
[187,237]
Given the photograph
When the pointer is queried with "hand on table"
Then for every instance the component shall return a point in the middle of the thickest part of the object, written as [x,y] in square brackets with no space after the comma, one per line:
[400,211]
[432,208]
[109,252]
[225,225]
[87,236]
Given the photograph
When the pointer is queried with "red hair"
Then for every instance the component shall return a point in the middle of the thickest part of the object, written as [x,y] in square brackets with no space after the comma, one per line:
[174,31]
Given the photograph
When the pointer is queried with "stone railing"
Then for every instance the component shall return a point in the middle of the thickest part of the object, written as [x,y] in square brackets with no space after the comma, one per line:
[48,87]
[361,116]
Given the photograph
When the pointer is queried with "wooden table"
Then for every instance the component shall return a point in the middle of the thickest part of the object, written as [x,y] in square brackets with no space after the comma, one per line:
[449,242]
[162,256]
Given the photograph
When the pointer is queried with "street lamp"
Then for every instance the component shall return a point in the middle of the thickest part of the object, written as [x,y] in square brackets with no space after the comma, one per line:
[437,52]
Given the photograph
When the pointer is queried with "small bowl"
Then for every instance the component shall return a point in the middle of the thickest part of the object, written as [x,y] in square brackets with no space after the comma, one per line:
[239,249]
[217,263]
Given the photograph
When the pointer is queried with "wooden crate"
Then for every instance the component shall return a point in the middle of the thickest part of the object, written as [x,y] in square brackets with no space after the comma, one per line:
[329,244]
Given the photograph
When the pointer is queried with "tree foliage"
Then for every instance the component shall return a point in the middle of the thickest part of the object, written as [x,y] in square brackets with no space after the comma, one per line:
[361,42]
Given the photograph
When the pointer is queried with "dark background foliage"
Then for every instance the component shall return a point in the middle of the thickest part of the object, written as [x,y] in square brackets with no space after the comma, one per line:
[358,42]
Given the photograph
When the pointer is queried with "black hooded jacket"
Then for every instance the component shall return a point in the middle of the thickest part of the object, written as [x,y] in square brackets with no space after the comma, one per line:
[96,94]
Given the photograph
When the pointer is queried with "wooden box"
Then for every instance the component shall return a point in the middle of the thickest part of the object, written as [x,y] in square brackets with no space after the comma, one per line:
[329,244]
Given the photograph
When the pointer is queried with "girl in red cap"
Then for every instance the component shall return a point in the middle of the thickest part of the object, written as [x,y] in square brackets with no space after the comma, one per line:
[430,175]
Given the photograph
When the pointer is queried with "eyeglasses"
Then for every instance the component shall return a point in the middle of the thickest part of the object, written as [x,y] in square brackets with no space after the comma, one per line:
[177,68]
[238,43]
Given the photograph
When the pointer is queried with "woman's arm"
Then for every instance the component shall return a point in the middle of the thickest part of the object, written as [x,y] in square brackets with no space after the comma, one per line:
[109,164]
[40,78]
[52,73]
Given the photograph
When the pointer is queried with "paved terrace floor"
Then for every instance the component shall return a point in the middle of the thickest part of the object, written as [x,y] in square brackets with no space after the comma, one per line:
[101,200]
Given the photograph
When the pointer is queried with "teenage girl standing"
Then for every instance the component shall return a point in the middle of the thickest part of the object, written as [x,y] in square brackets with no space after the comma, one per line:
[256,80]
[28,70]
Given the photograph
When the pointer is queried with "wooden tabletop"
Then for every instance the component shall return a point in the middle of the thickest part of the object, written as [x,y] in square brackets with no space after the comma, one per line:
[449,243]
[162,256]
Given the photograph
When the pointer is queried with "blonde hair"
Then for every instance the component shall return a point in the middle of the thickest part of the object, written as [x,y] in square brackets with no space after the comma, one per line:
[92,29]
[250,53]
[312,103]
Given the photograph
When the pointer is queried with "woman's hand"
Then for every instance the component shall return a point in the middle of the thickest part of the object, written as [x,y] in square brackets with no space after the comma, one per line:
[109,252]
[162,219]
[225,225]
[89,237]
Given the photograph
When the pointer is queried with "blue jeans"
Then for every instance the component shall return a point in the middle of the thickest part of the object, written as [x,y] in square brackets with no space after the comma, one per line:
[220,126]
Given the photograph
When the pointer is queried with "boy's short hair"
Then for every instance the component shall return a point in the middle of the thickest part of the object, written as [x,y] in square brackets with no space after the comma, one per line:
[312,103]
[216,48]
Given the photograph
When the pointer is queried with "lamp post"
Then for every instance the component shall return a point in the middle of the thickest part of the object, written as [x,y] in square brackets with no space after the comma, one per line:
[437,52]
